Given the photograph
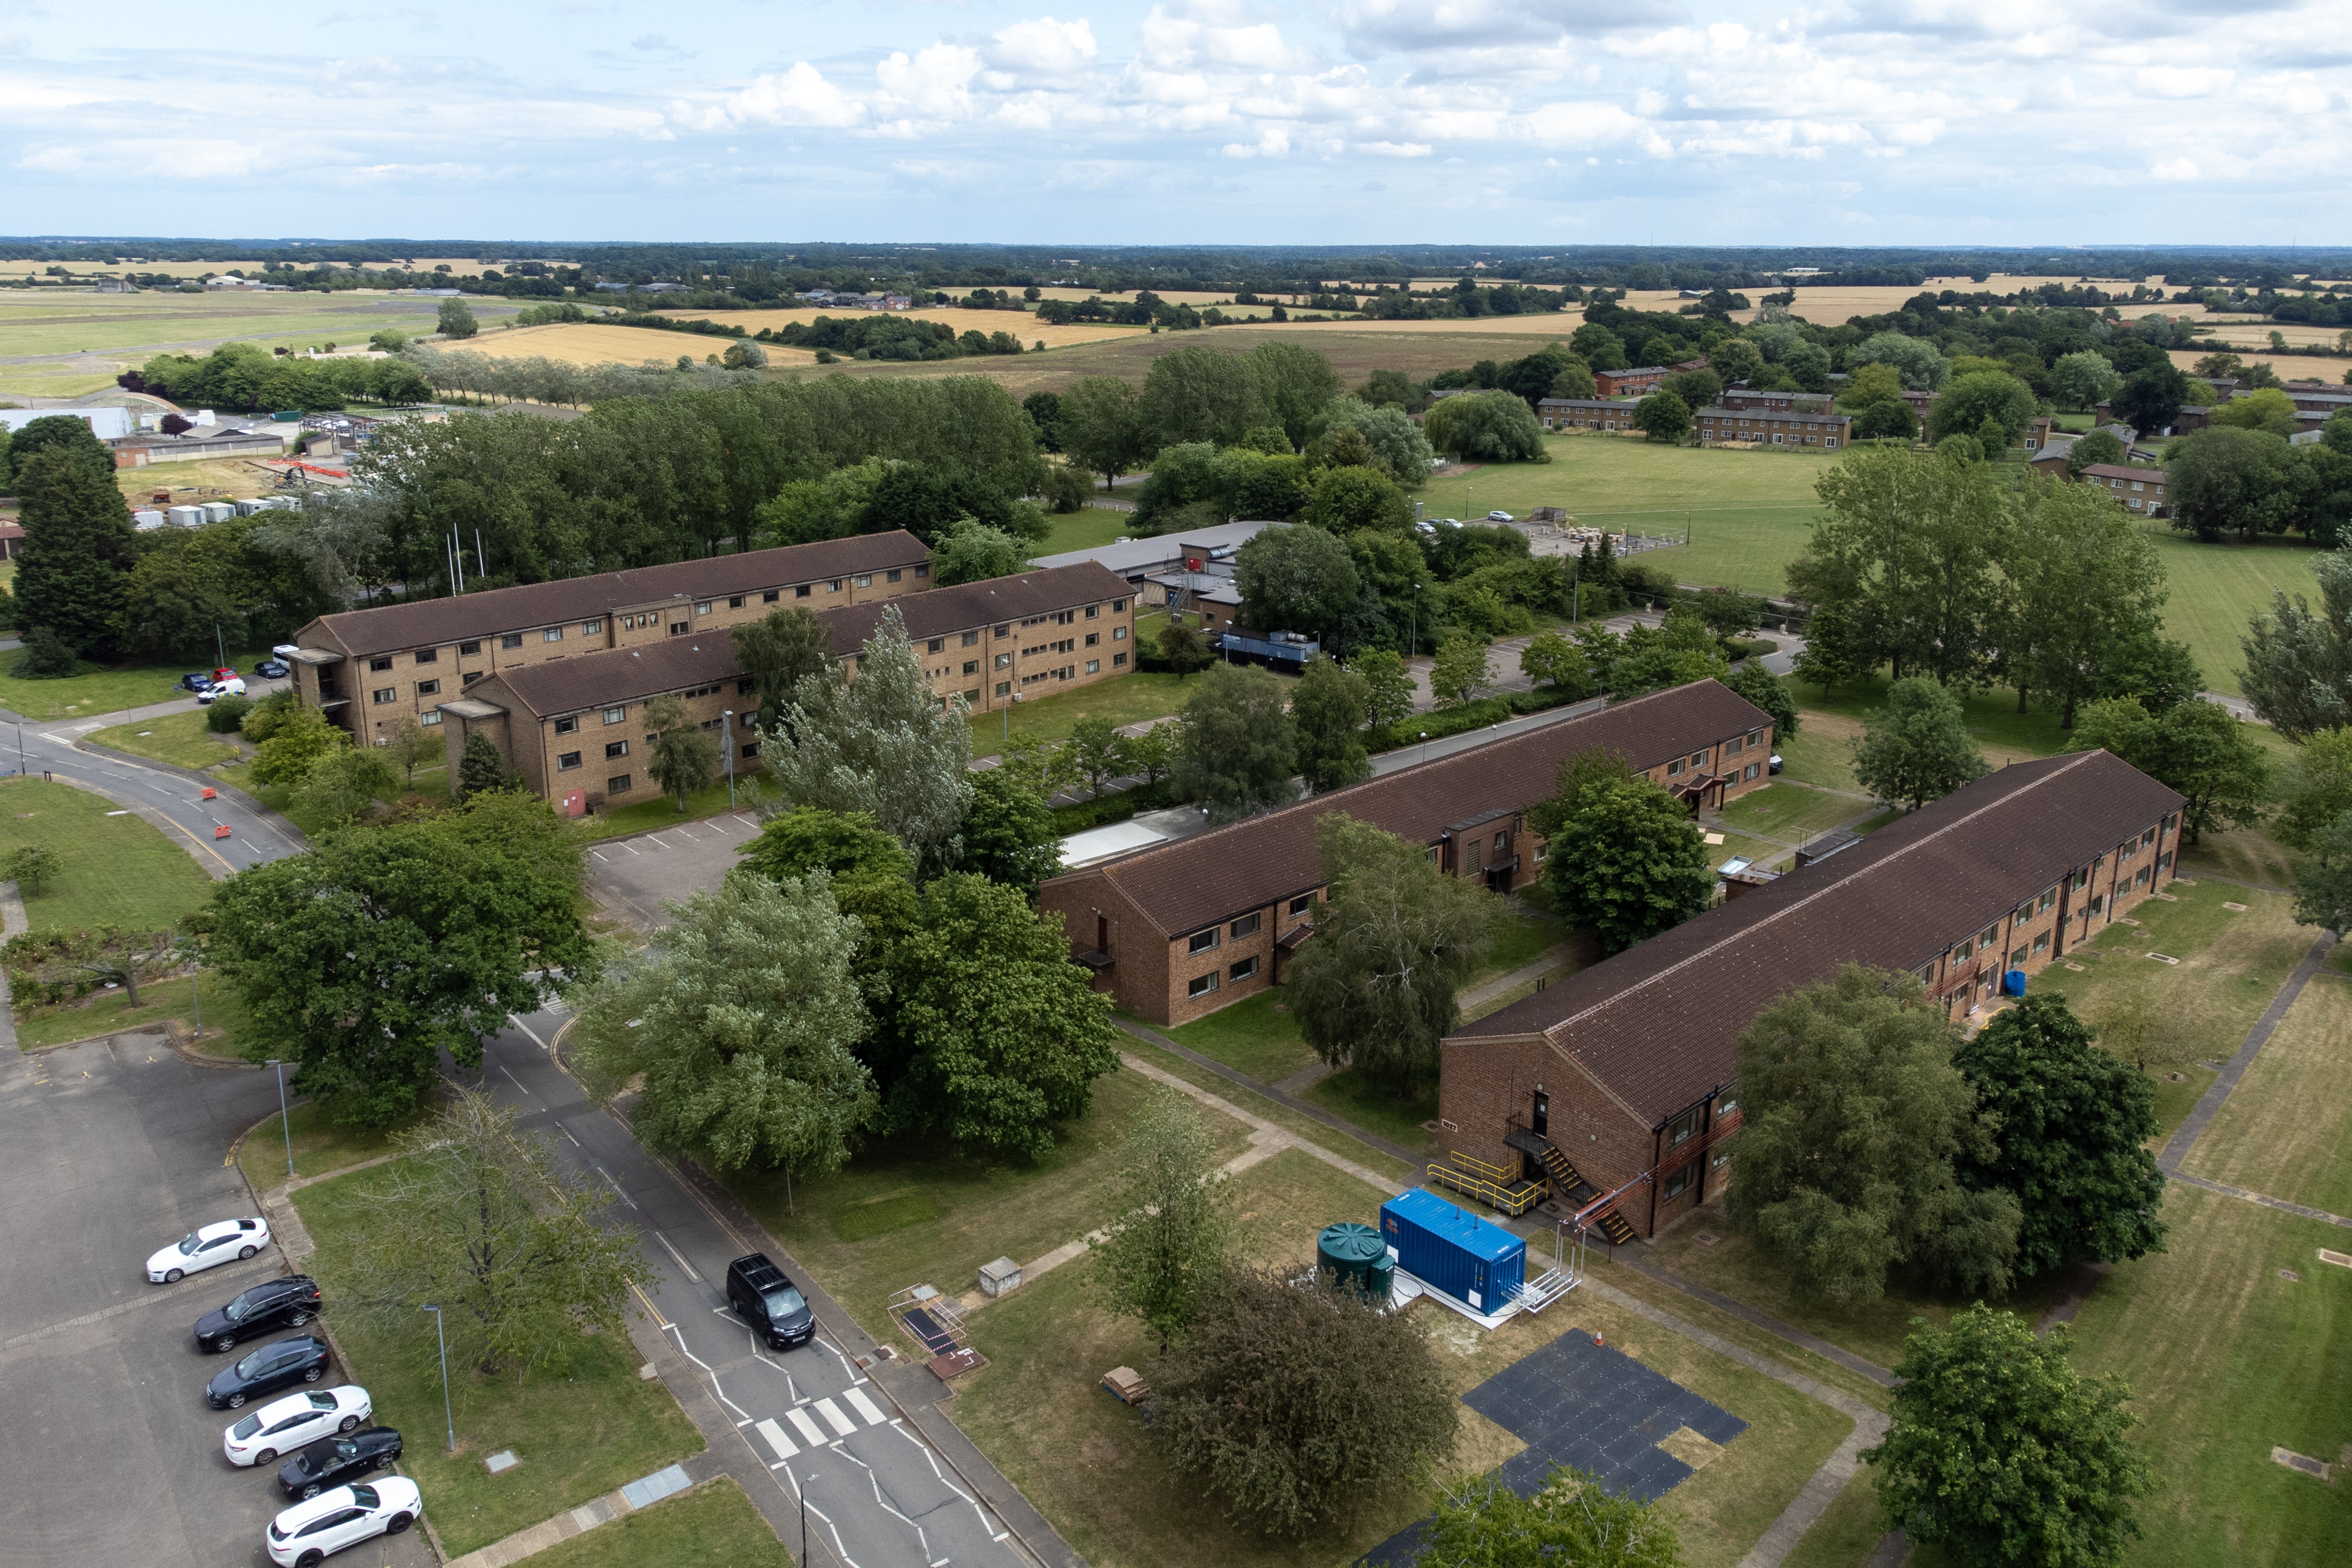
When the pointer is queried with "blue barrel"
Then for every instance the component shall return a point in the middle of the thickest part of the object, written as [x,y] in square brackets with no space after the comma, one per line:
[2014,983]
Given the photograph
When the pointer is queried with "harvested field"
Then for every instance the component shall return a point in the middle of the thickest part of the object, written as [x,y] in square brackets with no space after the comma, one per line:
[1020,323]
[588,343]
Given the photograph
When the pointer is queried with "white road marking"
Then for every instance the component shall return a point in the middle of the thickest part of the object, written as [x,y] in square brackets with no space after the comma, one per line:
[630,847]
[749,822]
[806,1427]
[862,1406]
[673,1252]
[598,853]
[832,1413]
[624,1197]
[784,1446]
[514,1081]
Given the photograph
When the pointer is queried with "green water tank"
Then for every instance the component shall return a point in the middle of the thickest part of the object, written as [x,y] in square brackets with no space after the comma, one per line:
[1347,1250]
[1380,1277]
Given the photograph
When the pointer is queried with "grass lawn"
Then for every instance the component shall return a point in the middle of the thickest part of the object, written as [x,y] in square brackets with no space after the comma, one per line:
[1821,752]
[2246,855]
[319,1146]
[911,1211]
[117,869]
[2218,588]
[1845,1536]
[179,738]
[1256,1035]
[1524,934]
[1377,1110]
[108,1012]
[1088,528]
[579,1432]
[1125,700]
[713,1526]
[656,811]
[98,689]
[2287,1129]
[2227,1358]
[1087,1461]
[1789,812]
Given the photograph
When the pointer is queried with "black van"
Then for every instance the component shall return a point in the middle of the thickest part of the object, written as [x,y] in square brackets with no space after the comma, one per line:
[764,1298]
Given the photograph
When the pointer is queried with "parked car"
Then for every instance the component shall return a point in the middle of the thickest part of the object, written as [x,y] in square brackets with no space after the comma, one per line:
[763,1297]
[304,1534]
[282,1425]
[1499,517]
[194,682]
[334,1461]
[271,670]
[283,1303]
[224,673]
[1775,764]
[207,1246]
[267,1370]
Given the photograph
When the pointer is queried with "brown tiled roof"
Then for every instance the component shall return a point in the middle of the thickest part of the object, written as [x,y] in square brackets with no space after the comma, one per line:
[433,622]
[938,611]
[2118,471]
[619,674]
[1183,886]
[1658,1025]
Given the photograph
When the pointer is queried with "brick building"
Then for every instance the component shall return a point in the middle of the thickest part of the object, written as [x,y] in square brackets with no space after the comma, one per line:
[1638,382]
[1179,931]
[2139,490]
[1586,413]
[368,668]
[1742,400]
[1773,427]
[1011,639]
[1628,1070]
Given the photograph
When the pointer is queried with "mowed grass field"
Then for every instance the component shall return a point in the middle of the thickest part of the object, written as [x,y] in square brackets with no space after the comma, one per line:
[117,868]
[2286,1130]
[133,326]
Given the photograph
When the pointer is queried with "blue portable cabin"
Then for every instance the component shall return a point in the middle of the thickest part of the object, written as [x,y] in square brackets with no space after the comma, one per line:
[1452,1250]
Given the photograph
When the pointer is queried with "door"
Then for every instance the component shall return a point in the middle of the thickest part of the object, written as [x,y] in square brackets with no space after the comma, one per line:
[1540,1116]
[1102,934]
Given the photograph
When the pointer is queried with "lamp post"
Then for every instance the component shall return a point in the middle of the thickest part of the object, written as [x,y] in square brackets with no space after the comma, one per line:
[284,1123]
[1424,745]
[447,1415]
[727,738]
[802,1493]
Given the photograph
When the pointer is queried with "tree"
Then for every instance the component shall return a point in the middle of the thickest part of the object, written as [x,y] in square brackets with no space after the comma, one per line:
[2298,673]
[1239,747]
[1836,653]
[411,747]
[1100,428]
[1551,659]
[974,552]
[2101,446]
[1855,1120]
[32,865]
[45,657]
[741,1021]
[1096,751]
[1296,579]
[1908,548]
[2221,481]
[776,651]
[1762,688]
[364,958]
[1697,388]
[879,743]
[1348,498]
[2317,788]
[457,322]
[2083,379]
[476,1216]
[1009,835]
[1918,361]
[684,756]
[1394,941]
[340,787]
[1153,753]
[1663,416]
[1572,1519]
[1735,360]
[1201,394]
[1485,427]
[1989,401]
[1916,748]
[72,566]
[297,739]
[2086,588]
[1459,672]
[1328,710]
[743,354]
[849,849]
[1675,653]
[481,769]
[1292,1403]
[1186,652]
[1627,862]
[1045,411]
[2004,1455]
[2266,408]
[993,1034]
[2200,747]
[2149,399]
[2075,1123]
[1175,1221]
[1388,687]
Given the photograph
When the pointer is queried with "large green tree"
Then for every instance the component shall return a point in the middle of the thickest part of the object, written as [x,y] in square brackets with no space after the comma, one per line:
[974,552]
[2200,747]
[1663,416]
[1175,1223]
[1985,404]
[1626,861]
[1396,938]
[1349,499]
[2004,1456]
[1008,832]
[1916,748]
[683,756]
[72,570]
[1296,579]
[1296,384]
[1763,688]
[742,1019]
[1328,710]
[1239,746]
[2224,481]
[2323,878]
[2083,379]
[2315,787]
[1485,427]
[1101,427]
[1855,1120]
[2298,673]
[2087,585]
[1201,394]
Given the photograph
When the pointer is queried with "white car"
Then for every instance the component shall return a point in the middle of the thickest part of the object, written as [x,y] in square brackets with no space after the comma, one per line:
[1499,517]
[282,1425]
[307,1532]
[206,1246]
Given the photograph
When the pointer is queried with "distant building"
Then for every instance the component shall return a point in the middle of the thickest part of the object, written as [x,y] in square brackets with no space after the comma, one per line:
[107,423]
[1586,413]
[1773,427]
[1632,383]
[2140,490]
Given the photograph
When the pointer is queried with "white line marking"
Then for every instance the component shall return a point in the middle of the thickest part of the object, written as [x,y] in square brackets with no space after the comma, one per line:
[832,1413]
[511,1078]
[567,1132]
[673,1252]
[687,1353]
[784,1446]
[806,1427]
[862,1406]
[615,1185]
[630,847]
[749,822]
[745,1422]
[780,1464]
[527,1029]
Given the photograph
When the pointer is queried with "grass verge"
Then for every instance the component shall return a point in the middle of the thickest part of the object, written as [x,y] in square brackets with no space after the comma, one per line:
[713,1526]
[1376,1108]
[1256,1035]
[117,868]
[321,1146]
[2287,1129]
[177,738]
[160,1001]
[659,810]
[1123,699]
[98,689]
[1088,528]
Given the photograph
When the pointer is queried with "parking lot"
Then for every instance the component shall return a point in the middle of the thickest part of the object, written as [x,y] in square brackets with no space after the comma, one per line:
[111,1453]
[633,878]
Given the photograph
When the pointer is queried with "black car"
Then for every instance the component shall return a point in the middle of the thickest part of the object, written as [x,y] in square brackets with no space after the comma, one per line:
[286,1303]
[270,667]
[765,1298]
[332,1461]
[271,1367]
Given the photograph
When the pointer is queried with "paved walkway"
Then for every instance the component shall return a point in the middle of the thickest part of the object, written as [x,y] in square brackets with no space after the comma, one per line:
[641,1493]
[1550,959]
[2177,1147]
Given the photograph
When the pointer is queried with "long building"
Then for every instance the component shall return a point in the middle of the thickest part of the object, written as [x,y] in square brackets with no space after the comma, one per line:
[1010,639]
[1623,1079]
[1827,429]
[1176,931]
[370,669]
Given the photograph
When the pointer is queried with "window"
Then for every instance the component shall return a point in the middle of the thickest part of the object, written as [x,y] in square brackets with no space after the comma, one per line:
[1542,850]
[1698,759]
[866,580]
[428,689]
[1002,687]
[970,639]
[552,634]
[937,645]
[614,715]
[1005,630]
[1679,1183]
[1732,747]
[770,596]
[2042,944]
[1119,633]
[833,585]
[428,656]
[1750,772]
[1203,985]
[735,602]
[568,726]
[1718,1160]
[750,748]
[2147,839]
[702,606]
[1094,666]
[1246,926]
[1726,1104]
[680,628]
[1673,767]
[803,590]
[567,761]
[2016,957]
[894,576]
[743,687]
[1119,606]
[1680,1130]
[616,749]
[1003,661]
[2140,880]
[1118,659]
[1094,638]
[971,666]
[923,571]
[2082,880]
[379,666]
[591,628]
[385,694]
[1755,737]
[472,676]
[1093,610]
[1500,840]
[1202,941]
[2049,897]
[1302,903]
[1246,968]
[467,650]
[617,785]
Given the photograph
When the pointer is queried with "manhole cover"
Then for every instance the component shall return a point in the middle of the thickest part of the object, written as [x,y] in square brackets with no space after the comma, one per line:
[2340,1259]
[502,1461]
[1708,1237]
[2303,1462]
[2290,1274]
[2161,958]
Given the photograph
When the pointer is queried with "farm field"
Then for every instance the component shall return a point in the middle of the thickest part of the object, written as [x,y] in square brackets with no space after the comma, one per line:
[1020,323]
[130,327]
[209,479]
[590,342]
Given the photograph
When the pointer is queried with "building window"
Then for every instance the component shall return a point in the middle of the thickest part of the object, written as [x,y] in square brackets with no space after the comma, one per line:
[2049,897]
[1542,850]
[2016,957]
[702,606]
[378,665]
[428,689]
[385,694]
[1119,633]
[1244,969]
[833,585]
[1203,985]
[567,761]
[923,571]
[1093,638]
[1246,926]
[1005,630]
[1673,767]
[803,590]
[614,715]
[431,719]
[770,596]
[2042,944]
[1094,666]
[1004,688]
[472,676]
[617,785]
[467,650]
[743,687]
[751,749]
[1680,1130]
[1302,903]
[1726,1104]
[894,575]
[568,726]
[1679,1183]
[1749,773]
[970,639]
[1118,659]
[1718,1160]
[1003,661]
[616,749]
[2082,880]
[735,601]
[1732,747]
[1698,759]
[591,628]
[971,666]
[428,656]
[1202,941]
[866,580]
[1119,606]
[680,628]
[552,634]
[937,645]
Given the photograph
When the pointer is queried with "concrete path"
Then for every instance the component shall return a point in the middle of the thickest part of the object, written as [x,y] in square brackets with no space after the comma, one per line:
[1550,959]
[644,1492]
[2177,1147]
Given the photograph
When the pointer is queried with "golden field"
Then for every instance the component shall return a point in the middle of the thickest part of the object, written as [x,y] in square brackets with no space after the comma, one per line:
[589,343]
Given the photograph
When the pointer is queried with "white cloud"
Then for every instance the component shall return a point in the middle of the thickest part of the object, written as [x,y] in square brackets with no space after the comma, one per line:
[935,83]
[797,97]
[2176,169]
[1044,46]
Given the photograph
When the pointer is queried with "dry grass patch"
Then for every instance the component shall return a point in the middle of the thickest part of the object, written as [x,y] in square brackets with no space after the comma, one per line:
[590,342]
[1020,323]
[2286,1130]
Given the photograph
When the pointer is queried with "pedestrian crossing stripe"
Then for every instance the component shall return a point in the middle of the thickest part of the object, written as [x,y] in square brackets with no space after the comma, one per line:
[832,1413]
[866,1407]
[807,1428]
[784,1446]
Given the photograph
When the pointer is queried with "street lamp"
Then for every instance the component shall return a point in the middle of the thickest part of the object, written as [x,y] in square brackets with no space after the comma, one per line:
[283,1121]
[1424,745]
[802,1493]
[447,1415]
[727,738]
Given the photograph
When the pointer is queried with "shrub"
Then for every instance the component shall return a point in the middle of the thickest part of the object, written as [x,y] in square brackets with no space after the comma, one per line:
[1067,489]
[226,715]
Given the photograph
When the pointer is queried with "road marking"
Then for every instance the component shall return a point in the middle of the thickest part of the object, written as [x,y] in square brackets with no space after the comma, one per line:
[749,822]
[630,847]
[598,853]
[60,740]
[673,1252]
[514,1081]
[784,1446]
[806,1427]
[624,1196]
[832,1413]
[864,1406]
[527,1029]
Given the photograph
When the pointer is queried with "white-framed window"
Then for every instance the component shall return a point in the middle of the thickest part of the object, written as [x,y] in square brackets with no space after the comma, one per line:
[1201,940]
[702,606]
[566,762]
[552,634]
[1202,985]
[385,694]
[1246,968]
[1246,926]
[619,784]
[591,628]
[430,718]
[1094,666]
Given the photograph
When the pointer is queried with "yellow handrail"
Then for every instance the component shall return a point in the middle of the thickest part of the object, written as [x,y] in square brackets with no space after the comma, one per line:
[1508,1200]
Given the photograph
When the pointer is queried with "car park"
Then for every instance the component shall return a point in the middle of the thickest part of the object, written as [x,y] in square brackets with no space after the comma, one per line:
[283,1426]
[288,1302]
[265,1370]
[764,1297]
[306,1533]
[337,1460]
[207,1247]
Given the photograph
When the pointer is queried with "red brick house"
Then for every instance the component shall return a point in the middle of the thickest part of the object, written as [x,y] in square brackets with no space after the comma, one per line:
[1636,383]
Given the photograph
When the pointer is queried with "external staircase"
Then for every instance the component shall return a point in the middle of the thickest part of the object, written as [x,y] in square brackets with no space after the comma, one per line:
[1568,1184]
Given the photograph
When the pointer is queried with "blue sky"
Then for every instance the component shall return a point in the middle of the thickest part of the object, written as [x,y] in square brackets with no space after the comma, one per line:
[1218,121]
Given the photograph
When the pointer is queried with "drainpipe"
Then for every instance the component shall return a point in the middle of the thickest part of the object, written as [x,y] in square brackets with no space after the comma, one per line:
[1657,1137]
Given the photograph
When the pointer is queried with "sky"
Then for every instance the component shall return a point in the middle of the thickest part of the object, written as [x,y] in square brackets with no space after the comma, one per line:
[1191,122]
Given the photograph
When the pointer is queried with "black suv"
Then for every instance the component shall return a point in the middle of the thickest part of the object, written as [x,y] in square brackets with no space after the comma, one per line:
[272,1367]
[332,1461]
[764,1298]
[286,1303]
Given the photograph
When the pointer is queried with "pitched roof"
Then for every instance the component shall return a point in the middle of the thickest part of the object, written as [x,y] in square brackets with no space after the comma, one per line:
[1183,886]
[1658,1024]
[1785,415]
[430,623]
[938,611]
[618,675]
[2118,471]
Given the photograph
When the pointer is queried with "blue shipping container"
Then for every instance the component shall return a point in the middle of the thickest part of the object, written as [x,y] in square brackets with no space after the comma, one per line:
[1454,1251]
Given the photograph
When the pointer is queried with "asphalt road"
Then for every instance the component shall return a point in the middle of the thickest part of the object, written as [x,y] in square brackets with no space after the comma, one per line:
[107,1153]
